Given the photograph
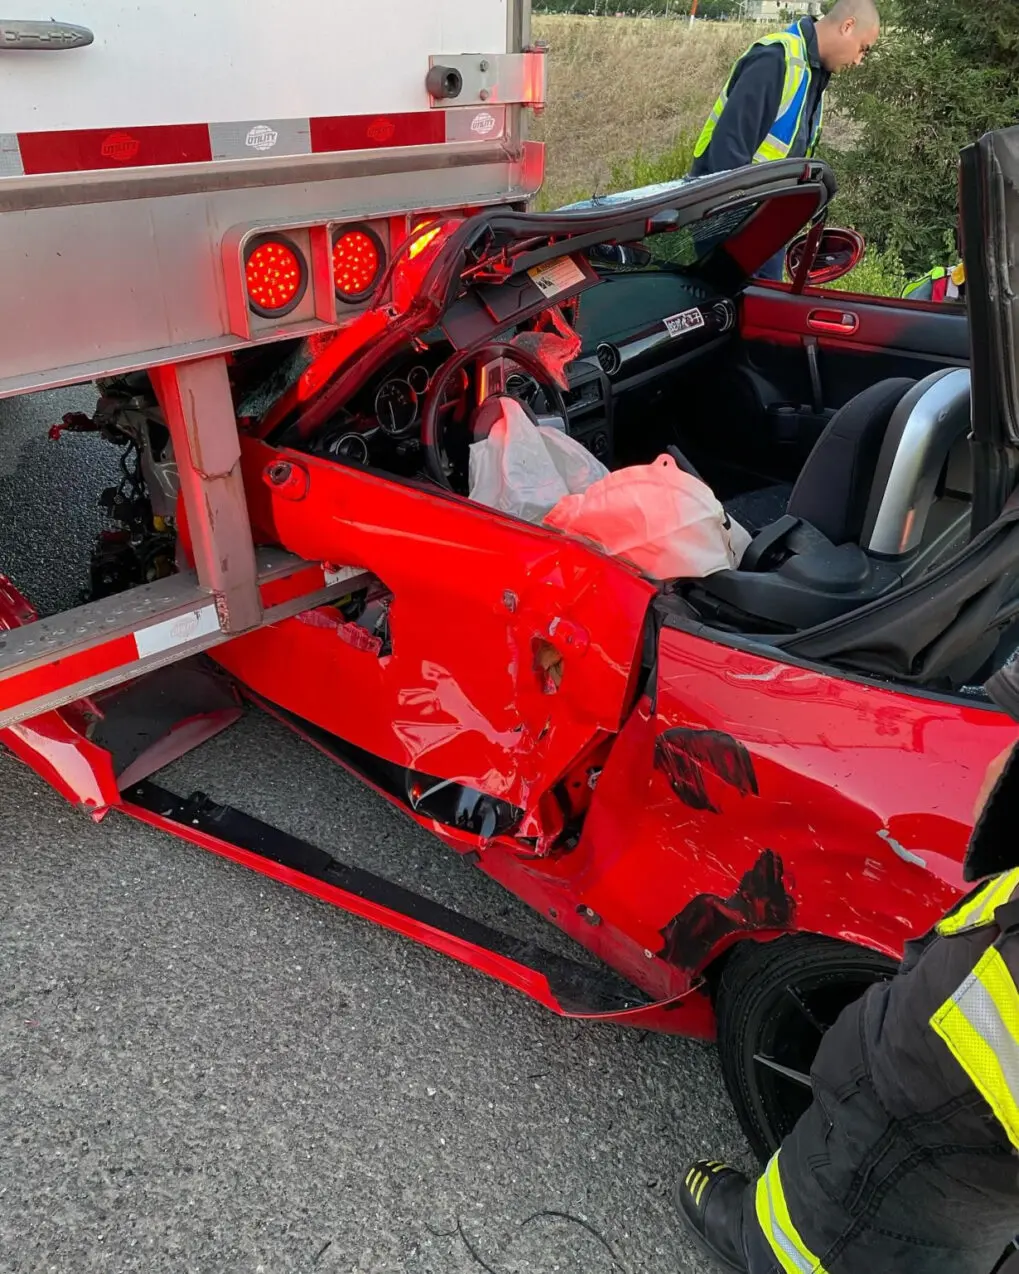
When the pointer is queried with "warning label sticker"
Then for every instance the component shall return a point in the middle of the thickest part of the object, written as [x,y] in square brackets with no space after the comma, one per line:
[684,322]
[557,277]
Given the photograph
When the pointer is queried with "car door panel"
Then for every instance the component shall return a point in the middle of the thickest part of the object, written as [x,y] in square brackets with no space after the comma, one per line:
[881,339]
[801,358]
[479,601]
[895,329]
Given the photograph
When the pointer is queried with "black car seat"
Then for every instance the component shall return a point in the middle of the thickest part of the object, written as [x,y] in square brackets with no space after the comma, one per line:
[859,521]
[834,486]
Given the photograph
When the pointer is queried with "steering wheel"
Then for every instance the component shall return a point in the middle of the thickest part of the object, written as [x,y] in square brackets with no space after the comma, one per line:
[447,460]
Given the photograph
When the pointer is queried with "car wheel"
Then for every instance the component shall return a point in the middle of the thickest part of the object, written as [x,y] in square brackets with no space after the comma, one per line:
[774,1002]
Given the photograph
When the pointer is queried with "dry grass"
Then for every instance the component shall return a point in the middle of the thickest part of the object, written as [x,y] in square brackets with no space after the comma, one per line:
[622,85]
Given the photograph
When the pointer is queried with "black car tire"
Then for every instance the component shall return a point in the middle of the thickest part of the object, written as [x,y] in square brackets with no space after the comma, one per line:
[774,1000]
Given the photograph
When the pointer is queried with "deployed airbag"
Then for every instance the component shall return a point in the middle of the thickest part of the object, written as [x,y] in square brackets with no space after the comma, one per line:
[524,468]
[662,519]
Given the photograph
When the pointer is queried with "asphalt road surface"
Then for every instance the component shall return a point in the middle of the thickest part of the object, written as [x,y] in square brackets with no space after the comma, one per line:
[201,1070]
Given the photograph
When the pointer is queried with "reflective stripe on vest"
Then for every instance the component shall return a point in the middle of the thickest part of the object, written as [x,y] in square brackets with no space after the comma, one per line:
[978,909]
[980,1025]
[939,284]
[795,88]
[792,1254]
[926,285]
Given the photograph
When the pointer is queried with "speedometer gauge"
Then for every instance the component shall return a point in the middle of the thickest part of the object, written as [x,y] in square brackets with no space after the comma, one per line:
[396,406]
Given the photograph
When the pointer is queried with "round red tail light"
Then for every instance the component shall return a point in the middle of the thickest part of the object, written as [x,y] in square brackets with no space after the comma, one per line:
[358,258]
[276,275]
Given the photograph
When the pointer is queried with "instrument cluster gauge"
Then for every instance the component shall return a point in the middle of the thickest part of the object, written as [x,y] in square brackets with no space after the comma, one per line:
[350,447]
[396,406]
[418,379]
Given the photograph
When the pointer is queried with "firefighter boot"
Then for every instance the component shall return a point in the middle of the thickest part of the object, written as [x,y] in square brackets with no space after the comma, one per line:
[711,1204]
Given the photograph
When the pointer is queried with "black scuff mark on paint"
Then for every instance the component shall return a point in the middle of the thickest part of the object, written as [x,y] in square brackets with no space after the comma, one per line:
[687,755]
[761,901]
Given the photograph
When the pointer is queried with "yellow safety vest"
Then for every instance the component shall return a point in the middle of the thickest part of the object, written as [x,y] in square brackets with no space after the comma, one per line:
[786,126]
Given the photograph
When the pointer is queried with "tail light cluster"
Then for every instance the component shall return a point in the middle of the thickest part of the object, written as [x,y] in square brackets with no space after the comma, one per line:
[302,276]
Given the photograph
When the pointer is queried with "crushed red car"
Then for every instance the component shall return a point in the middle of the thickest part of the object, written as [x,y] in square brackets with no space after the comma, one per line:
[742,793]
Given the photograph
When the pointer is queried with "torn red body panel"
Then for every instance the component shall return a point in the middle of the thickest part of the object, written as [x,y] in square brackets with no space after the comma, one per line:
[753,798]
[461,696]
[54,744]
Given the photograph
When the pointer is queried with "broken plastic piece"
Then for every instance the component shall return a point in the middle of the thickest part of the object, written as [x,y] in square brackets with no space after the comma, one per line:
[75,422]
[554,343]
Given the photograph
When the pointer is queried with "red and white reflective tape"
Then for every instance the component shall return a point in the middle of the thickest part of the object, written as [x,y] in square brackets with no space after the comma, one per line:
[119,654]
[93,149]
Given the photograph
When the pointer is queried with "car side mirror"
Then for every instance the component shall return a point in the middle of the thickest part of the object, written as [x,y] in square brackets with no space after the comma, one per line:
[838,251]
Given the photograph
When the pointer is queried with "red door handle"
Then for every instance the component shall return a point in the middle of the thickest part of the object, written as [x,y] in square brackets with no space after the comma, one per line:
[836,322]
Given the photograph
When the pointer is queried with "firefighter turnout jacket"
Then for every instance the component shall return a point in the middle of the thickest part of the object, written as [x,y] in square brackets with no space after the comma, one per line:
[906,1159]
[772,105]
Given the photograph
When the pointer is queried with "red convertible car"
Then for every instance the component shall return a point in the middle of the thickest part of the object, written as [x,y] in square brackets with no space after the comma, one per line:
[740,793]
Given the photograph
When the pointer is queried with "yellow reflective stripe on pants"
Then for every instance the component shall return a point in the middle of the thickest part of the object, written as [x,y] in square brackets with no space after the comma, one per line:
[980,908]
[980,1025]
[784,1239]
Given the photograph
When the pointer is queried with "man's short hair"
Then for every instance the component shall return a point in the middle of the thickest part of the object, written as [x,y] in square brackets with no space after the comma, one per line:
[864,11]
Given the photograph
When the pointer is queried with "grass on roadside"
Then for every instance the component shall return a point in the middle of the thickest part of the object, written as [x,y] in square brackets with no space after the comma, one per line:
[619,87]
[878,274]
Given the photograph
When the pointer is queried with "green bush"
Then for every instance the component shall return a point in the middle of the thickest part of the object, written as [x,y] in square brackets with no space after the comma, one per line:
[946,72]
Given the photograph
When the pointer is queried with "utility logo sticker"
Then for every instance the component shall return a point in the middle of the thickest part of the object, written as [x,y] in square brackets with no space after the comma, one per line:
[121,147]
[261,137]
[483,124]
[381,130]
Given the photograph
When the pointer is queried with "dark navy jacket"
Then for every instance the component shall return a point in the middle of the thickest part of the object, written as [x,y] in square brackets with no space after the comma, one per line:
[755,96]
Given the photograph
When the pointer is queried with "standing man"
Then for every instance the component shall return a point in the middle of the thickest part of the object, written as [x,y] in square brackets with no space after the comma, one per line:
[772,105]
[908,1157]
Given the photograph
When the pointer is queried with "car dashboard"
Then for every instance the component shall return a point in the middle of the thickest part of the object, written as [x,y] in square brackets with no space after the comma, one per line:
[635,326]
[380,427]
[634,320]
